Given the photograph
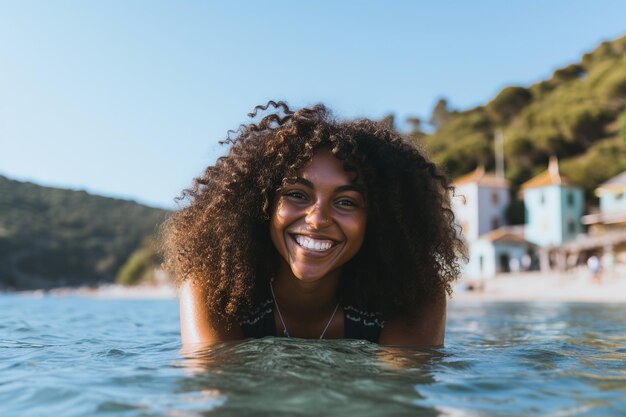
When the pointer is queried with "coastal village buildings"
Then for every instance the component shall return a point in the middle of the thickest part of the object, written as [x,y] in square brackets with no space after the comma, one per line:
[498,251]
[607,228]
[479,204]
[553,206]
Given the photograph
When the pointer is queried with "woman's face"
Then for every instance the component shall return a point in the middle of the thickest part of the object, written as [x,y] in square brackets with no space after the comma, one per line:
[318,223]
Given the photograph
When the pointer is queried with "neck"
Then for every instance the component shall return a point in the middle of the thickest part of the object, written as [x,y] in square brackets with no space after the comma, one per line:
[303,300]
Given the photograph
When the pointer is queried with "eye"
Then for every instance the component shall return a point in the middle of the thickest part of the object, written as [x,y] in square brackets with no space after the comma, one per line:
[295,194]
[346,202]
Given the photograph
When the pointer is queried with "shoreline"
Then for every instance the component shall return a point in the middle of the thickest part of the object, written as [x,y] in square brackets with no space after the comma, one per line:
[106,291]
[575,286]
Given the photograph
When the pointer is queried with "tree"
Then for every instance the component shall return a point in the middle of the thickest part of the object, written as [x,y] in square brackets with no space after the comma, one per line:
[416,133]
[141,266]
[389,121]
[622,125]
[415,123]
[515,212]
[570,72]
[441,113]
[617,90]
[508,103]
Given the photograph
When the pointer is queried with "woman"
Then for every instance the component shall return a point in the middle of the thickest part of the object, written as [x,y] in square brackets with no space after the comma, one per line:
[315,228]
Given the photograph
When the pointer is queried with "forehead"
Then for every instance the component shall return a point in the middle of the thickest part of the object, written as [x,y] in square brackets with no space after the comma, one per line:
[324,167]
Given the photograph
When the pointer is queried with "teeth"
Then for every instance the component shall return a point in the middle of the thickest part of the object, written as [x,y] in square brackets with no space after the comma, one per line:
[314,244]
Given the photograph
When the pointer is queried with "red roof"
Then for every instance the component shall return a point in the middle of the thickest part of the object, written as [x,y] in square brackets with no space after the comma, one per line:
[551,176]
[615,185]
[506,234]
[481,178]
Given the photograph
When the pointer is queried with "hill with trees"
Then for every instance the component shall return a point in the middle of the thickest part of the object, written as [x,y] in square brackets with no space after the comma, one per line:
[51,237]
[578,115]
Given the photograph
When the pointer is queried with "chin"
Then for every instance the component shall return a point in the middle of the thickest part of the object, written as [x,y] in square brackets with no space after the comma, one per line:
[307,274]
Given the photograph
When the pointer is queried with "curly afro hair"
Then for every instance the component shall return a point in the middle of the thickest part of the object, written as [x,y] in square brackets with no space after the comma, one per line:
[220,239]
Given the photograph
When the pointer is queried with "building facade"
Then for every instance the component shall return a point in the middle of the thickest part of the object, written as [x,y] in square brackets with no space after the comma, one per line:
[479,203]
[554,207]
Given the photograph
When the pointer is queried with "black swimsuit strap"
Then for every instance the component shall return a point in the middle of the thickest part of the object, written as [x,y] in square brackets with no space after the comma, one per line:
[358,324]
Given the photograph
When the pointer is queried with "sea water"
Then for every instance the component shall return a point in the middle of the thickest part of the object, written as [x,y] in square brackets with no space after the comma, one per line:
[64,356]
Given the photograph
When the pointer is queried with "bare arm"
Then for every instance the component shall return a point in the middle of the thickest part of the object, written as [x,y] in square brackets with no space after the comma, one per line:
[196,324]
[426,330]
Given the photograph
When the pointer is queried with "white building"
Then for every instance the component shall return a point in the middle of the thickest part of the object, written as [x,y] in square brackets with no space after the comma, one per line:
[553,206]
[612,215]
[479,203]
[499,251]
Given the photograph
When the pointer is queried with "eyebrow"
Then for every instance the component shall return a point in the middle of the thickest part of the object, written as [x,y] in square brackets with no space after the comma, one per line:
[348,187]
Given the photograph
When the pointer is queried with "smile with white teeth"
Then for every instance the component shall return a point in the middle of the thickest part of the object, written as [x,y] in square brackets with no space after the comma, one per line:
[314,244]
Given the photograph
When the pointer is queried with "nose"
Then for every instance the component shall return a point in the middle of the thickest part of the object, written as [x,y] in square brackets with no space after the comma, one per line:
[318,216]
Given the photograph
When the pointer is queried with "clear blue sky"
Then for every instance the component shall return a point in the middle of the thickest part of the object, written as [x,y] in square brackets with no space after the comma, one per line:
[129,98]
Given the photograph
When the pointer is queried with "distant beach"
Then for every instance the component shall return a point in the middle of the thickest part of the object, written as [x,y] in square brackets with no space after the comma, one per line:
[108,291]
[576,286]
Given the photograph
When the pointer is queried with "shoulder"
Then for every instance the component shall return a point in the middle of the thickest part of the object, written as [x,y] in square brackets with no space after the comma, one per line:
[198,325]
[426,328]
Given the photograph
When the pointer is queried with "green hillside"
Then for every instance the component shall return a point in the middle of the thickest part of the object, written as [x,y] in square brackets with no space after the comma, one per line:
[52,237]
[578,115]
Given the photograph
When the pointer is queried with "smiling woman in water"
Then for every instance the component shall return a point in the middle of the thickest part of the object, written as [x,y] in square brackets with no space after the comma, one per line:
[315,228]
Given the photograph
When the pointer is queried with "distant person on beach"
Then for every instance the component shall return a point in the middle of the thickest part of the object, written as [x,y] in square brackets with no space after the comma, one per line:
[315,228]
[593,263]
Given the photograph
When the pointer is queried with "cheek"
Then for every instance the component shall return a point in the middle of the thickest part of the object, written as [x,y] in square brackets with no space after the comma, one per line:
[280,216]
[279,222]
[355,229]
[276,227]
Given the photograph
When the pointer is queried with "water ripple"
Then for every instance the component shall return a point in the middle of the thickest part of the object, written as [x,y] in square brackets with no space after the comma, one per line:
[75,357]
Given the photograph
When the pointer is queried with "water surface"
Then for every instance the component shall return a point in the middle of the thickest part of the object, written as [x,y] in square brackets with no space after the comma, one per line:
[63,356]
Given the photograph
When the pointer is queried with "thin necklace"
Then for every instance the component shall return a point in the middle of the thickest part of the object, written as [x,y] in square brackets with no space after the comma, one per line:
[280,316]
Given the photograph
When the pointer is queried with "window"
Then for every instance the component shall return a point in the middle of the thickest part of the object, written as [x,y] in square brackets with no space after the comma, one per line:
[495,223]
[495,198]
[570,199]
[505,262]
[526,214]
[571,227]
[543,198]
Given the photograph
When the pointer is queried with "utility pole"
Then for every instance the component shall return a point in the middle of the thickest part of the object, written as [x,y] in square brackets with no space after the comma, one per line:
[499,152]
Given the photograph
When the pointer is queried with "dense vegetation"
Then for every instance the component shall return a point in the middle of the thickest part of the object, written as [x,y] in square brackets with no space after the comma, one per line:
[142,265]
[53,237]
[578,115]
